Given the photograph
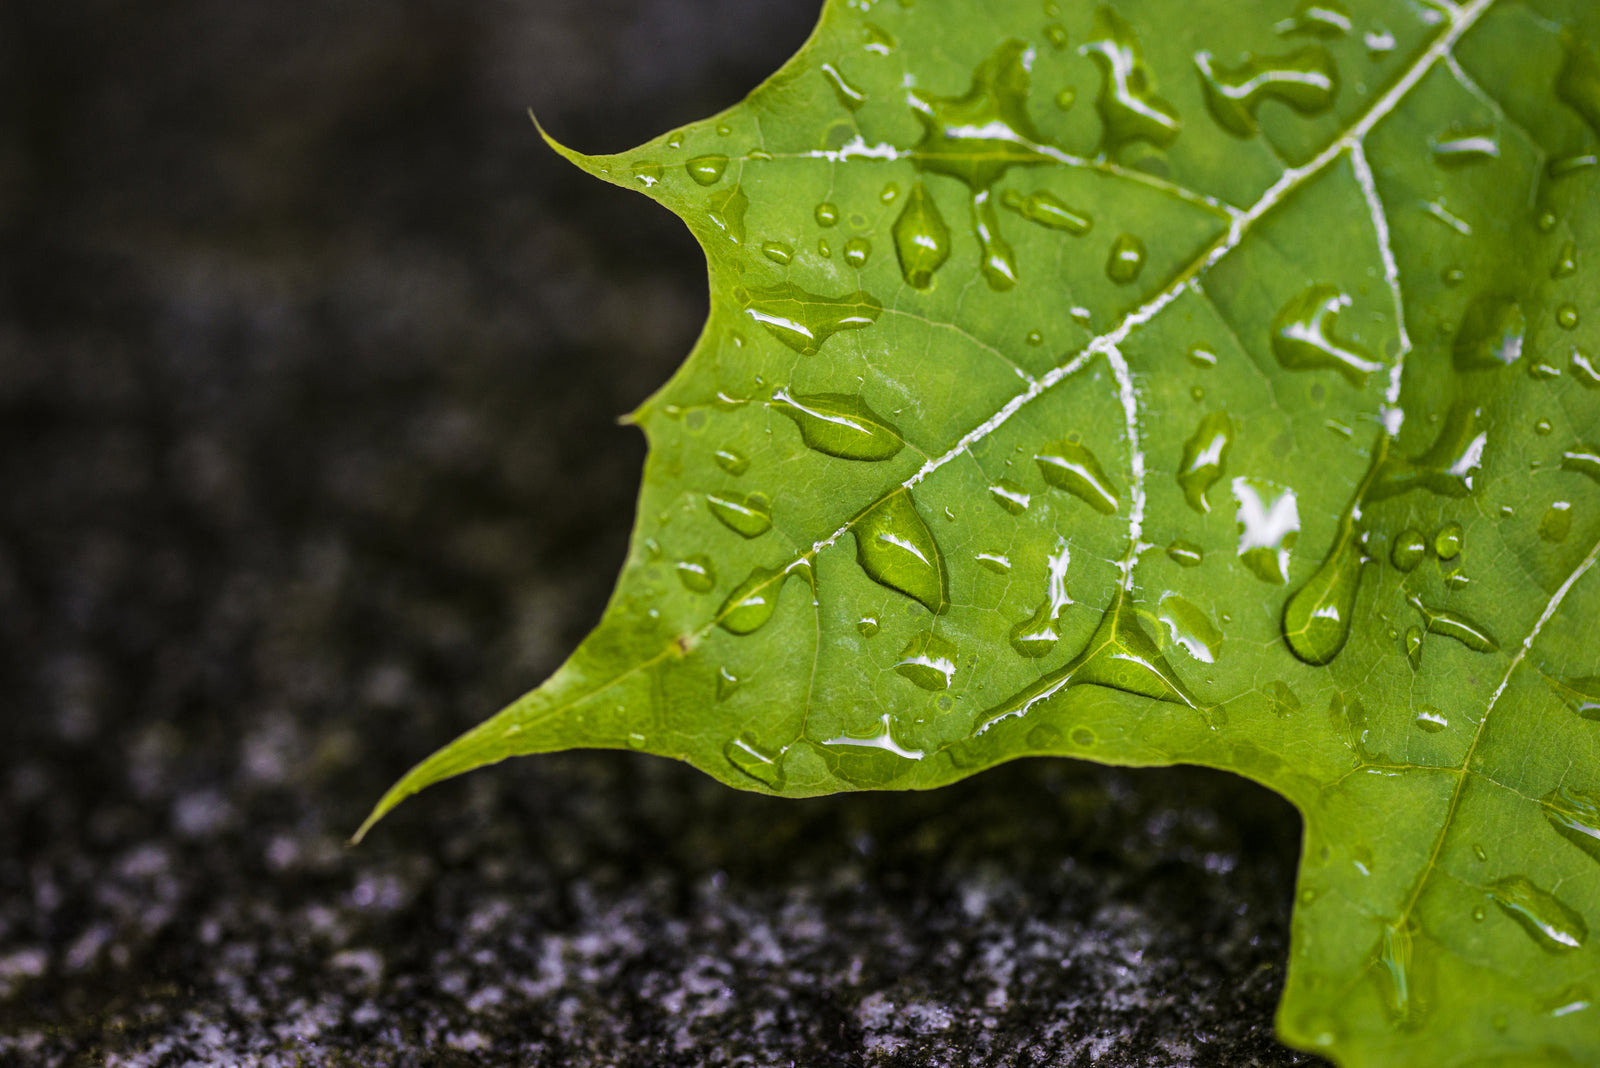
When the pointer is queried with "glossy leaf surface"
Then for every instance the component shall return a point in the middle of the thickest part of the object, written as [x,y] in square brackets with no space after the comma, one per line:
[1209,382]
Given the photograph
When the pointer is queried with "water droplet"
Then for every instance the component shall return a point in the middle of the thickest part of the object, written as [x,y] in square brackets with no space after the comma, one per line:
[804,321]
[696,573]
[707,170]
[1408,549]
[1490,335]
[1575,815]
[1202,357]
[1581,695]
[1284,702]
[1034,339]
[1453,276]
[1567,263]
[732,461]
[1546,918]
[761,764]
[636,740]
[824,249]
[896,548]
[1065,98]
[1316,620]
[1205,457]
[1448,467]
[1305,79]
[997,260]
[1414,646]
[839,424]
[1128,105]
[1303,337]
[1083,737]
[1057,35]
[1038,634]
[890,191]
[726,212]
[758,153]
[1464,148]
[1430,719]
[647,173]
[1578,83]
[878,40]
[1567,316]
[850,97]
[1457,626]
[723,129]
[1456,579]
[856,251]
[921,238]
[826,214]
[1191,628]
[1185,553]
[1316,18]
[1010,496]
[1543,428]
[1563,166]
[1397,975]
[1070,466]
[749,515]
[1479,852]
[778,252]
[1448,542]
[928,660]
[1047,211]
[867,625]
[1557,522]
[1584,370]
[753,601]
[1267,531]
[1126,259]
[999,563]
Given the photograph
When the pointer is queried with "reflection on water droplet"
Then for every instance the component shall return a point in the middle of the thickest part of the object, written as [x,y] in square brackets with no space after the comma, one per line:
[1316,620]
[1453,276]
[696,573]
[707,170]
[1185,553]
[1543,428]
[999,563]
[1455,625]
[1490,335]
[749,515]
[1567,317]
[636,740]
[1047,211]
[826,214]
[1414,646]
[1284,701]
[1448,542]
[1456,579]
[1205,457]
[1126,259]
[1547,919]
[840,425]
[753,601]
[929,661]
[1316,18]
[1128,105]
[1070,466]
[1191,628]
[1202,357]
[1575,815]
[1010,496]
[1306,79]
[1408,550]
[1038,634]
[1430,719]
[1557,522]
[896,549]
[778,252]
[1567,263]
[804,321]
[1303,337]
[921,238]
[1457,148]
[761,764]
[849,96]
[647,173]
[732,461]
[890,191]
[1267,531]
[856,251]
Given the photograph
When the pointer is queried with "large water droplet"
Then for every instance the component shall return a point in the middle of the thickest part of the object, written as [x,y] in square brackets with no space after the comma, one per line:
[1191,628]
[1463,148]
[1038,634]
[1316,18]
[804,321]
[1583,459]
[1046,210]
[749,515]
[1408,550]
[707,170]
[1490,335]
[1269,524]
[1205,457]
[896,548]
[840,425]
[1455,625]
[1575,815]
[928,660]
[1126,260]
[1547,919]
[753,601]
[1557,522]
[1010,496]
[1305,79]
[1303,337]
[761,764]
[849,95]
[1316,620]
[1070,466]
[921,238]
[1128,105]
[696,573]
[1582,695]
[726,212]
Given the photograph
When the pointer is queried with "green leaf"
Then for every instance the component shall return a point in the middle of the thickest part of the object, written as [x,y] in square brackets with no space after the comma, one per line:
[1209,382]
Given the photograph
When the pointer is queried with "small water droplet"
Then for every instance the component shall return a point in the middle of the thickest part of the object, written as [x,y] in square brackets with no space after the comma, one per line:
[1202,357]
[1430,719]
[1453,276]
[1548,920]
[1128,105]
[896,549]
[1205,458]
[1543,428]
[826,214]
[1567,316]
[1283,699]
[1034,339]
[928,660]
[1126,259]
[1564,166]
[1306,79]
[1448,542]
[1185,553]
[1414,646]
[1303,337]
[867,625]
[824,249]
[1069,466]
[778,252]
[1464,148]
[1557,522]
[1010,496]
[850,97]
[1490,335]
[727,683]
[647,173]
[1267,531]
[759,763]
[804,321]
[723,129]
[879,41]
[921,238]
[1316,18]
[1057,35]
[1582,695]
[707,170]
[890,191]
[675,139]
[1044,209]
[696,573]
[840,425]
[1575,816]
[1066,97]
[753,601]
[1479,852]
[749,515]
[1479,914]
[1567,263]
[1456,579]
[1190,627]
[758,153]
[856,251]
[1455,625]
[732,461]
[636,740]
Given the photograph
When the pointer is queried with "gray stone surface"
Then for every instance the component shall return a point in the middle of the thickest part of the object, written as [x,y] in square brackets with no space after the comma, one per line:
[309,356]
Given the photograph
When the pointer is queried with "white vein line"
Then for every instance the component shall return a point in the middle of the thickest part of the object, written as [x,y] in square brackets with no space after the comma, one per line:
[1392,413]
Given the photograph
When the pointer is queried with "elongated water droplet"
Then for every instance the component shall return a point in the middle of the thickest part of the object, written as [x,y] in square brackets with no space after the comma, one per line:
[1010,496]
[1557,522]
[1205,458]
[996,258]
[850,97]
[726,212]
[1070,466]
[1457,148]
[896,549]
[921,238]
[1038,634]
[707,170]
[1567,263]
[840,425]
[753,601]
[999,563]
[1191,628]
[1413,642]
[1408,550]
[1126,260]
[826,214]
[879,41]
[805,321]
[1578,83]
[1455,625]
[778,252]
[1584,370]
[1399,974]
[1583,459]
[1448,467]
[1316,620]
[1057,35]
[1582,695]
[1430,719]
[760,763]
[1306,79]
[1303,337]
[1269,524]
[1563,166]
[727,683]
[732,461]
[749,515]
[1185,553]
[928,660]
[696,573]
[1448,542]
[1456,579]
[1490,335]
[856,252]
[1316,18]
[1547,919]
[1046,210]
[1128,105]
[1284,701]
[1575,815]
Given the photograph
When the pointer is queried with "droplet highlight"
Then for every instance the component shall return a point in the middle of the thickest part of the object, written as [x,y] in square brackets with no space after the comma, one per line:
[1128,105]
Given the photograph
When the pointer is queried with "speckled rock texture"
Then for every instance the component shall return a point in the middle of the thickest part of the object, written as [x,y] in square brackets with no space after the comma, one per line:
[310,355]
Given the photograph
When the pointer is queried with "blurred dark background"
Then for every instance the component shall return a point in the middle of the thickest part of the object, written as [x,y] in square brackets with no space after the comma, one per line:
[310,356]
